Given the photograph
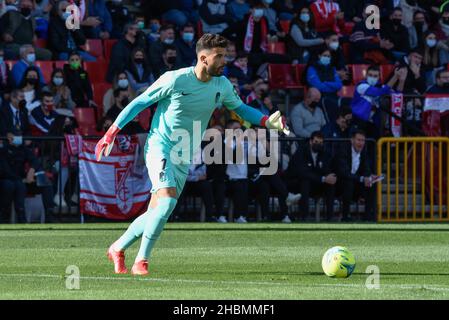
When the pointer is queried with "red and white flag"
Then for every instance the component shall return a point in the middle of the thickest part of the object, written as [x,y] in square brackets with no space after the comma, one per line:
[397,105]
[115,187]
[436,102]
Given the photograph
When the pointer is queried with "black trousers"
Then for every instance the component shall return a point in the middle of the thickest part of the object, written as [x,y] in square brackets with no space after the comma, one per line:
[278,187]
[240,191]
[309,189]
[12,191]
[353,190]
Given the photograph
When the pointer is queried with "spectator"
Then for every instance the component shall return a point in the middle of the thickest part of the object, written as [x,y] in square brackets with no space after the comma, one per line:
[238,9]
[18,28]
[42,9]
[442,28]
[167,37]
[180,12]
[354,176]
[340,129]
[8,5]
[215,16]
[442,83]
[323,76]
[310,166]
[62,96]
[98,24]
[287,9]
[240,70]
[31,88]
[417,30]
[77,80]
[121,51]
[14,115]
[328,16]
[154,34]
[6,79]
[352,9]
[306,117]
[271,15]
[169,57]
[120,81]
[415,81]
[139,72]
[231,53]
[303,39]
[16,182]
[120,16]
[432,55]
[121,97]
[63,40]
[397,33]
[43,116]
[186,46]
[367,96]
[27,59]
[263,100]
[409,8]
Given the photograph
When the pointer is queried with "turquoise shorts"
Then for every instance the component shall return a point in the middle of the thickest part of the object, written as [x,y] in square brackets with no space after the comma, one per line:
[162,171]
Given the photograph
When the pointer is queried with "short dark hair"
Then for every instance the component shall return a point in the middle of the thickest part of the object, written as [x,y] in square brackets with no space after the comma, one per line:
[46,93]
[373,67]
[169,47]
[317,134]
[117,91]
[344,111]
[209,41]
[165,27]
[358,131]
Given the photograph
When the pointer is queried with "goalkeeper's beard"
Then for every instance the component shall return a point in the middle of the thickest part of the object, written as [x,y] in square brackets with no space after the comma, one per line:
[215,71]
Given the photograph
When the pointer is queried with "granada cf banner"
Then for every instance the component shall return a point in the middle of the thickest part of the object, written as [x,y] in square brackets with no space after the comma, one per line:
[118,186]
[397,104]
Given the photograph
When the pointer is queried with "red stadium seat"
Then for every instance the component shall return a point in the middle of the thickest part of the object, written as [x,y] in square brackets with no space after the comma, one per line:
[86,121]
[346,47]
[349,26]
[144,118]
[199,29]
[108,44]
[60,64]
[99,90]
[276,47]
[347,92]
[94,47]
[285,25]
[96,70]
[300,69]
[46,68]
[359,72]
[283,76]
[386,71]
[41,43]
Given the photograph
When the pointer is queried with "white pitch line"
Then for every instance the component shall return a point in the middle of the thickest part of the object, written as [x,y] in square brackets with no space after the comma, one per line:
[232,282]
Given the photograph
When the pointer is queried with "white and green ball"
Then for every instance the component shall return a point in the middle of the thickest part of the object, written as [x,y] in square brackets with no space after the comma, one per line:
[338,262]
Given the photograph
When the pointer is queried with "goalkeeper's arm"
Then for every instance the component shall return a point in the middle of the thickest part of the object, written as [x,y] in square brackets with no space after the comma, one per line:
[254,116]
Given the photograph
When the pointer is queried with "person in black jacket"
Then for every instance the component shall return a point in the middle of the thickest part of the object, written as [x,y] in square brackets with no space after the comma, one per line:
[311,166]
[62,40]
[354,175]
[397,33]
[120,16]
[14,116]
[77,80]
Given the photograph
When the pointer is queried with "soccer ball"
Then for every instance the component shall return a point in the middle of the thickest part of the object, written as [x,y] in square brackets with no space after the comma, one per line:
[338,262]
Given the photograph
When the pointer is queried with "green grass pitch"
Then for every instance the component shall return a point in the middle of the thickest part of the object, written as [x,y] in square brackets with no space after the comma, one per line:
[233,261]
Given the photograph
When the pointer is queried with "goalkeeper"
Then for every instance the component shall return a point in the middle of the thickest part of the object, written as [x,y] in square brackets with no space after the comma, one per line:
[185,95]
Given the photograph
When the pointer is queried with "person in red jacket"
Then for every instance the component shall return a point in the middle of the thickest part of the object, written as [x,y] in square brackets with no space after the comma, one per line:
[328,16]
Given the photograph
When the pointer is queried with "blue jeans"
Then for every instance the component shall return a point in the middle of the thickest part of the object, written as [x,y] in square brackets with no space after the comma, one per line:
[180,18]
[84,55]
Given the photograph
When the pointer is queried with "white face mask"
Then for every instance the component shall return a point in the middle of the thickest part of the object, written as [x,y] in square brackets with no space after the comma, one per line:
[169,41]
[58,81]
[334,45]
[372,81]
[431,42]
[258,13]
[123,83]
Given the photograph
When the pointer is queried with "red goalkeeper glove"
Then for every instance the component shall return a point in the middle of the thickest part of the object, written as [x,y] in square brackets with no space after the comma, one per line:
[104,146]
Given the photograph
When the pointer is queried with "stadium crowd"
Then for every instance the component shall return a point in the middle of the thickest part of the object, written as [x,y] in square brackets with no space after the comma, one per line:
[56,81]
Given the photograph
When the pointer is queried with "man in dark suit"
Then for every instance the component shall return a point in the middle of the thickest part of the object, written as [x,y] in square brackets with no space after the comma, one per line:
[14,117]
[354,175]
[310,166]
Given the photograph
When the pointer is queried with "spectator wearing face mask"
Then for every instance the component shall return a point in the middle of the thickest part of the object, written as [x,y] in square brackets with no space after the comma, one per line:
[409,8]
[120,81]
[340,129]
[186,46]
[121,51]
[62,40]
[121,97]
[397,33]
[154,28]
[263,101]
[434,57]
[366,101]
[19,28]
[77,80]
[31,88]
[27,59]
[139,73]
[239,69]
[307,117]
[120,16]
[417,30]
[14,115]
[215,16]
[167,37]
[231,55]
[43,116]
[415,79]
[62,96]
[442,83]
[337,57]
[170,60]
[303,38]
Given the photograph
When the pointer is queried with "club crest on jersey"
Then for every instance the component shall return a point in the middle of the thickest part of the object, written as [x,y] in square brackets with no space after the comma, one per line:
[123,188]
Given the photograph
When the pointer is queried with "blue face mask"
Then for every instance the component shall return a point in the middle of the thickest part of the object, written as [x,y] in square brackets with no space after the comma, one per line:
[325,61]
[187,36]
[305,17]
[65,15]
[268,1]
[154,27]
